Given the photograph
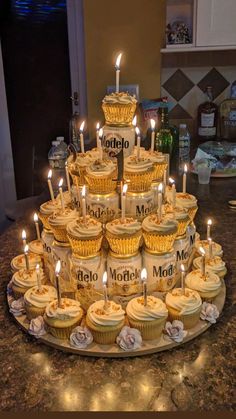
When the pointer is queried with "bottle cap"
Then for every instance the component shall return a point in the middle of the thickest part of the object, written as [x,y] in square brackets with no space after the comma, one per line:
[55,142]
[59,139]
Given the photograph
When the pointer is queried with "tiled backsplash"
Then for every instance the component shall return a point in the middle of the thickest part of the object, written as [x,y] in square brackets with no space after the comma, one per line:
[185,90]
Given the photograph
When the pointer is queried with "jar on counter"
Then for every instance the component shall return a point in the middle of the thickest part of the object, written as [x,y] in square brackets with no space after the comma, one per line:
[124,273]
[161,270]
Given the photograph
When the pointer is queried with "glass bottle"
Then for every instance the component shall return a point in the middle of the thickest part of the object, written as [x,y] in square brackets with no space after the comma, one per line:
[74,132]
[164,138]
[228,116]
[207,117]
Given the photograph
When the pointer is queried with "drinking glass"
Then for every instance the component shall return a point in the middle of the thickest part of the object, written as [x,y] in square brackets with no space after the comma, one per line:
[204,171]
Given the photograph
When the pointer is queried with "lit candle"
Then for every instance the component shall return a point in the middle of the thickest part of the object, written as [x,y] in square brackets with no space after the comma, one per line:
[50,185]
[104,281]
[118,72]
[123,201]
[26,251]
[67,178]
[209,224]
[153,124]
[164,183]
[173,189]
[81,136]
[77,193]
[134,122]
[97,133]
[185,178]
[159,201]
[100,134]
[57,272]
[144,281]
[39,282]
[23,235]
[137,130]
[182,278]
[203,261]
[210,248]
[84,203]
[61,195]
[36,222]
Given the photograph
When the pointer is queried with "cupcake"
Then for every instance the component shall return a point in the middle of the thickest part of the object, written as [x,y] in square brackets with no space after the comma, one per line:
[216,248]
[36,246]
[23,280]
[179,214]
[58,222]
[158,159]
[139,172]
[124,235]
[184,307]
[48,209]
[150,319]
[208,286]
[119,109]
[62,320]
[37,299]
[215,265]
[101,176]
[18,262]
[105,323]
[189,202]
[159,235]
[85,236]
[77,167]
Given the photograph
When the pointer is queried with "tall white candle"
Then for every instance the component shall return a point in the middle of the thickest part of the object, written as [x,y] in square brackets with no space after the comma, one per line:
[210,248]
[23,235]
[81,136]
[26,251]
[104,281]
[61,195]
[203,262]
[50,185]
[137,130]
[97,133]
[57,272]
[134,122]
[173,190]
[153,124]
[209,224]
[123,201]
[185,178]
[118,72]
[67,178]
[84,203]
[182,278]
[36,222]
[144,281]
[39,282]
[159,201]
[100,135]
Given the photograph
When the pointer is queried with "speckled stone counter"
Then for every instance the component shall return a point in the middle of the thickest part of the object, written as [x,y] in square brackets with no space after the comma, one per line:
[197,375]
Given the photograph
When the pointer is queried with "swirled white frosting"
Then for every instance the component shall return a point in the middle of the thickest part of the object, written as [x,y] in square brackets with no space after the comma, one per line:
[85,159]
[154,309]
[62,217]
[89,228]
[121,97]
[112,316]
[188,303]
[183,200]
[152,224]
[68,310]
[40,298]
[134,165]
[215,264]
[24,278]
[154,156]
[50,206]
[195,281]
[36,246]
[125,226]
[179,213]
[19,261]
[216,248]
[101,168]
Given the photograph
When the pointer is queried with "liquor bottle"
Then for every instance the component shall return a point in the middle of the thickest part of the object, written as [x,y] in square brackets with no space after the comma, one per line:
[164,138]
[184,147]
[228,116]
[207,117]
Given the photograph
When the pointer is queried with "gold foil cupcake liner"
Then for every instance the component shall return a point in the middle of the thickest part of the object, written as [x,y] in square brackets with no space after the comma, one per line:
[119,114]
[149,330]
[188,320]
[77,174]
[159,169]
[44,218]
[102,185]
[139,182]
[104,335]
[182,227]
[124,245]
[60,233]
[159,242]
[192,212]
[85,247]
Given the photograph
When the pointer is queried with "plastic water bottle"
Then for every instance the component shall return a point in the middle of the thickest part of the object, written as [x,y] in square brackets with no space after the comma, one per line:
[184,147]
[58,154]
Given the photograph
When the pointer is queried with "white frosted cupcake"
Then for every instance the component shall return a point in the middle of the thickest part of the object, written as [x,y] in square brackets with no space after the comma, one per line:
[186,200]
[48,209]
[216,248]
[119,109]
[36,246]
[208,286]
[85,236]
[62,320]
[184,307]
[18,262]
[105,324]
[159,236]
[124,235]
[37,299]
[58,222]
[139,173]
[215,265]
[22,280]
[158,159]
[77,167]
[150,319]
[101,176]
[180,214]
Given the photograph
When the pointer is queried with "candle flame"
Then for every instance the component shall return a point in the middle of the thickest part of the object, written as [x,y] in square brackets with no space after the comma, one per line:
[182,268]
[104,278]
[209,222]
[144,274]
[185,168]
[26,249]
[118,61]
[37,268]
[36,218]
[160,188]
[58,267]
[134,122]
[171,180]
[50,174]
[83,191]
[209,240]
[60,183]
[125,187]
[82,126]
[23,235]
[137,130]
[97,126]
[202,251]
[100,133]
[153,124]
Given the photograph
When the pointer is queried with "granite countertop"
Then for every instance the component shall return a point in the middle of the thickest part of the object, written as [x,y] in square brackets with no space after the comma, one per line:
[197,375]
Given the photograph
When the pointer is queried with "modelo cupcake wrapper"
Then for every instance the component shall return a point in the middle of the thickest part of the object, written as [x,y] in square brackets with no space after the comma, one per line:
[139,182]
[85,247]
[188,320]
[124,245]
[119,114]
[159,243]
[149,330]
[102,185]
[104,335]
[159,169]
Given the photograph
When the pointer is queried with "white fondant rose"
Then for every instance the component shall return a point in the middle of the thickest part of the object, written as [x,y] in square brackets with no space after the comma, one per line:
[175,331]
[37,327]
[129,339]
[209,312]
[81,337]
[17,307]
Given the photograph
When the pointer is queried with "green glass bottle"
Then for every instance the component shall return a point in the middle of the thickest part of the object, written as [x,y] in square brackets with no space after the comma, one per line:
[164,137]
